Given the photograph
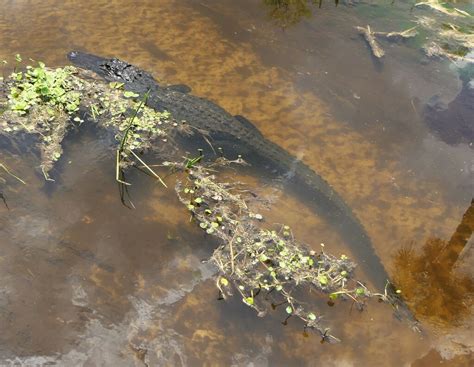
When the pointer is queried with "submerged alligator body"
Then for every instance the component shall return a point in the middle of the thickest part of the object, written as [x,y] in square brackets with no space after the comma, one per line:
[237,135]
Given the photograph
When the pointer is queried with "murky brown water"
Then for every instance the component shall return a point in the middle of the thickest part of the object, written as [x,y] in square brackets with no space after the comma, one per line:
[87,282]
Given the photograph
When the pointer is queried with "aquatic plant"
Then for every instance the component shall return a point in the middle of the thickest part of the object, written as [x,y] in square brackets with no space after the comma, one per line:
[267,266]
[47,102]
[41,101]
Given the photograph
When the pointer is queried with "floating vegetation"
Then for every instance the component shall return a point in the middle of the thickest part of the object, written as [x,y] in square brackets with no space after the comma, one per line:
[41,101]
[267,266]
[48,102]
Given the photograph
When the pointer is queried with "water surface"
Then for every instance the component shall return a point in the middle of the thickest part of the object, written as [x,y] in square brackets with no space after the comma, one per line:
[86,281]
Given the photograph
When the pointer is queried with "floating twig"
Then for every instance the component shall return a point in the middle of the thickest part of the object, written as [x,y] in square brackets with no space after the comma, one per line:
[408,33]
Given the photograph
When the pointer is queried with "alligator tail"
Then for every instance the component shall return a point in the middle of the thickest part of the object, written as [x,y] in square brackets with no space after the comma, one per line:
[312,189]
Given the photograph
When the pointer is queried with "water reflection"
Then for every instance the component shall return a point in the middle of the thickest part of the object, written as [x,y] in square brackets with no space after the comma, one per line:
[430,281]
[289,12]
[454,123]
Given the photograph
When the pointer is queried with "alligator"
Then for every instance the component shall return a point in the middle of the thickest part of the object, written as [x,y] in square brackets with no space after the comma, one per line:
[237,135]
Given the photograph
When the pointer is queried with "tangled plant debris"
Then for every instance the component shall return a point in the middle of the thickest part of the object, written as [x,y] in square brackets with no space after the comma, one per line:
[266,266]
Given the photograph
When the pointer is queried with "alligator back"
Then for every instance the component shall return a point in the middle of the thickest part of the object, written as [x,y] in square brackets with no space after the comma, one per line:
[236,135]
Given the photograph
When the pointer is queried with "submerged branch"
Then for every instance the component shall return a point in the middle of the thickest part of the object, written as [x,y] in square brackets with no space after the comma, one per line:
[369,36]
[408,33]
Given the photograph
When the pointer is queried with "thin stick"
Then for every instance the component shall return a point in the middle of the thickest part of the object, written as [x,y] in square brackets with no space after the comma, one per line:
[124,139]
[5,168]
[148,168]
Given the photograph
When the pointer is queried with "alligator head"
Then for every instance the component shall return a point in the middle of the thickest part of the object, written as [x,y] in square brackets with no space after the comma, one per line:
[114,70]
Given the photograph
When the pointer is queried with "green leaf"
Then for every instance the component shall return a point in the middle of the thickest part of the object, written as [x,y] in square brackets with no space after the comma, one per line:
[248,300]
[289,310]
[44,90]
[323,279]
[130,94]
[224,282]
[312,316]
[20,106]
[360,291]
[18,58]
[116,85]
